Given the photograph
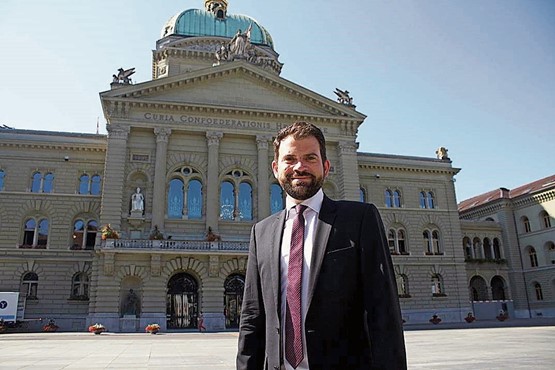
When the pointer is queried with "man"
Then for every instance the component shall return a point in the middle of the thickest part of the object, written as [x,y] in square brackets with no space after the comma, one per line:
[348,316]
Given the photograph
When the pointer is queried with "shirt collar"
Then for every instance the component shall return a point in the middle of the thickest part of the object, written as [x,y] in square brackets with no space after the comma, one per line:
[314,202]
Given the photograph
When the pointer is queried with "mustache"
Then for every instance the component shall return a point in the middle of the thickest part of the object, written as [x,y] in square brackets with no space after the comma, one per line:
[299,173]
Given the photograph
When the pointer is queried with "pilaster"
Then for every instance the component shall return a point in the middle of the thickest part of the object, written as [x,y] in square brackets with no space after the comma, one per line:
[263,174]
[114,173]
[212,201]
[158,204]
[348,164]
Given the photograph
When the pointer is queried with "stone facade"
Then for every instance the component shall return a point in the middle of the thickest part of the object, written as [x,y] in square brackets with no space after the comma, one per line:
[196,141]
[522,219]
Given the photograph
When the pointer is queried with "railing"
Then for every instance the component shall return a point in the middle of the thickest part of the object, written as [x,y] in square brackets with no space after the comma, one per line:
[182,245]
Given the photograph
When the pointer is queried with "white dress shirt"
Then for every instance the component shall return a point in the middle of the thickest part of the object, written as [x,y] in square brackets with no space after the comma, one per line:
[311,217]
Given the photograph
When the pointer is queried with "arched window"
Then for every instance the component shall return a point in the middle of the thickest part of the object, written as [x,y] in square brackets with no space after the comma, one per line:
[276,198]
[533,257]
[48,183]
[496,249]
[36,183]
[401,241]
[35,234]
[422,198]
[182,301]
[437,286]
[545,219]
[96,185]
[526,224]
[30,284]
[236,196]
[397,198]
[402,286]
[194,200]
[432,242]
[89,185]
[2,177]
[430,200]
[227,201]
[84,238]
[397,241]
[84,184]
[477,247]
[539,292]
[467,247]
[245,201]
[80,286]
[175,199]
[488,254]
[427,242]
[388,198]
[436,243]
[362,195]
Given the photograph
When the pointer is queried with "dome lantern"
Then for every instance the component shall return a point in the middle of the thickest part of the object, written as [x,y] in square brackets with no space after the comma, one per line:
[217,7]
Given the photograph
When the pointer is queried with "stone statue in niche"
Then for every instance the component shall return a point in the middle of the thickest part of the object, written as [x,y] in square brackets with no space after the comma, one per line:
[131,304]
[137,201]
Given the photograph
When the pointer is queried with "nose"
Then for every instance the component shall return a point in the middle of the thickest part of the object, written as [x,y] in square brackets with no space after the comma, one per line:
[299,165]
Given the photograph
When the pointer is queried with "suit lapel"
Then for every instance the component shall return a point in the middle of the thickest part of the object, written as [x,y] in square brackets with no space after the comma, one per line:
[277,232]
[324,225]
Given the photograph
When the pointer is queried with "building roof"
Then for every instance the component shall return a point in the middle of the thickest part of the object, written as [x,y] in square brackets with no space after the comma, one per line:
[530,188]
[201,23]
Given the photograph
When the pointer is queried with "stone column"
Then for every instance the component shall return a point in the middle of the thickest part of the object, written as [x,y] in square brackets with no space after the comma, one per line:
[348,163]
[263,173]
[159,192]
[114,175]
[213,183]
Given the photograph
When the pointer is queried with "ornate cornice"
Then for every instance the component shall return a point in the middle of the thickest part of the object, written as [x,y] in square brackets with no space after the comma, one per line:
[448,171]
[52,146]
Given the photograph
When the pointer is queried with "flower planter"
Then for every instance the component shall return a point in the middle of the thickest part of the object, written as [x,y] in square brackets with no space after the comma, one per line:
[153,331]
[435,320]
[152,328]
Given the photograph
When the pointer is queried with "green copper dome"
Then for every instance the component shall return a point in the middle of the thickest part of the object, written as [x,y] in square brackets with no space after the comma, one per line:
[196,22]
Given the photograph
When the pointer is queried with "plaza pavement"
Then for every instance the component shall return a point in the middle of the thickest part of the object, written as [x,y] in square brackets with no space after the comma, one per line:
[472,347]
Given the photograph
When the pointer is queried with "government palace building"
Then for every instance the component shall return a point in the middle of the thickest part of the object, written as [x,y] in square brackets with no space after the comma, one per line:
[151,222]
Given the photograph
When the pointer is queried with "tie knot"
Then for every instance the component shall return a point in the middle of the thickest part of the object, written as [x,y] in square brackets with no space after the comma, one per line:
[300,208]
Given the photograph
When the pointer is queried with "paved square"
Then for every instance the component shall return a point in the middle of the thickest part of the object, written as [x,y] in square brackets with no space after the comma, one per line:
[476,348]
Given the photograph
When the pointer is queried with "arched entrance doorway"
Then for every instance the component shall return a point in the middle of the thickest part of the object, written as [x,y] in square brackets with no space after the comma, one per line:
[478,289]
[182,302]
[233,286]
[498,288]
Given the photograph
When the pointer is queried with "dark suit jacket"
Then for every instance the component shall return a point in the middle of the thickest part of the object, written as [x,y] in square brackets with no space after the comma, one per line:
[353,319]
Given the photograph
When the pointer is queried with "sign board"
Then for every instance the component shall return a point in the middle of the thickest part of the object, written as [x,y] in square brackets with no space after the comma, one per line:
[8,306]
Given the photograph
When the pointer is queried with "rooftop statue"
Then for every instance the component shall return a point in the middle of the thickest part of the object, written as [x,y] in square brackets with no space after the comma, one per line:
[123,76]
[344,98]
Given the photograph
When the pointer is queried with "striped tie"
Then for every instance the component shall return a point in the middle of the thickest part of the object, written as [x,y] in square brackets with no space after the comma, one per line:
[293,315]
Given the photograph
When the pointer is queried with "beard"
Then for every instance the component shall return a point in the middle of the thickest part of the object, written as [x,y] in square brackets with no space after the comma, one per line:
[302,190]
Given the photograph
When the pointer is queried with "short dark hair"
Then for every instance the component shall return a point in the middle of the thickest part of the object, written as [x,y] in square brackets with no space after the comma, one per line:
[301,130]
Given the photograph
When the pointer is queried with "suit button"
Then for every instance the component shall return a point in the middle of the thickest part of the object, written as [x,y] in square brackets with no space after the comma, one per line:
[277,330]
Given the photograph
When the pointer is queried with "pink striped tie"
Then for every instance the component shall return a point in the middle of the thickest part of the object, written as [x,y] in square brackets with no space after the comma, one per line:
[293,314]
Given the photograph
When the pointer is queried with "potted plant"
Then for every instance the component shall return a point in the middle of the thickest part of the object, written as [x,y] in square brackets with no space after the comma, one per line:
[97,328]
[152,328]
[469,318]
[108,233]
[435,319]
[50,327]
[502,316]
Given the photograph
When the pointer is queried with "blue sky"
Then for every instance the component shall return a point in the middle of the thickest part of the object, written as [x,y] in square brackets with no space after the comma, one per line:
[477,77]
